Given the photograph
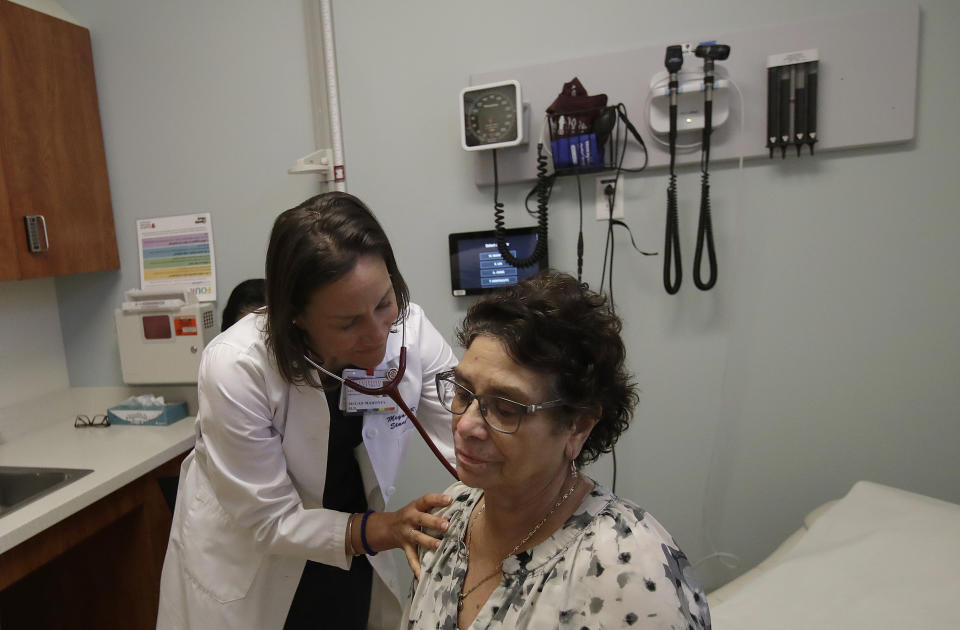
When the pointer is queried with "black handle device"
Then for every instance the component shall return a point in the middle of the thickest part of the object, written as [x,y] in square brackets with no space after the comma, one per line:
[773,108]
[800,107]
[783,137]
[671,248]
[812,71]
[709,53]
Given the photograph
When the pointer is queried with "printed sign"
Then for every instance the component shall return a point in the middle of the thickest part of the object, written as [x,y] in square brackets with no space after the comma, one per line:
[177,253]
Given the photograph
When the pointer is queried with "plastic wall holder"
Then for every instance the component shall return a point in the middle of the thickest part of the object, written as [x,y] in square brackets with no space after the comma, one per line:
[580,143]
[690,115]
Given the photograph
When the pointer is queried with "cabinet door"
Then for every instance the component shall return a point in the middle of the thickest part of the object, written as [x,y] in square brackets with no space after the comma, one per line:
[52,161]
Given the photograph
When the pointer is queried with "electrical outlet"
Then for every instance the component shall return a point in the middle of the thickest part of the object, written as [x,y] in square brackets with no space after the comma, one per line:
[603,202]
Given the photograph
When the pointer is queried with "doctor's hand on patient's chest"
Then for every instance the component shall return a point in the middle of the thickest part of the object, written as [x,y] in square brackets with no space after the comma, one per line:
[404,528]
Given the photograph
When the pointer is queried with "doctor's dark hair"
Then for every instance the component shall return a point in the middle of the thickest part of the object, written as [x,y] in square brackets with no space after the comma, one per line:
[312,246]
[553,324]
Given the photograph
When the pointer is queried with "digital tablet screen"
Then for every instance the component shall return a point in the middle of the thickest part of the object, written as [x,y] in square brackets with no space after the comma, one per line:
[476,265]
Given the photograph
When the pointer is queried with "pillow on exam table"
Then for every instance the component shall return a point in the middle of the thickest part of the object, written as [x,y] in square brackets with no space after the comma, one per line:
[879,558]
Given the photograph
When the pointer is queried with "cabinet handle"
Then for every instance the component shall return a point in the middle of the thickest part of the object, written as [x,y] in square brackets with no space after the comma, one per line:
[35,224]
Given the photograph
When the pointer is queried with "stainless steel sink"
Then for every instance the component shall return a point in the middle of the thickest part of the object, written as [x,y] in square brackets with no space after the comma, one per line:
[21,485]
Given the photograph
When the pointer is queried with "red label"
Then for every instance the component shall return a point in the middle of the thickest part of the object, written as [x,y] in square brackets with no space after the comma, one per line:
[185,326]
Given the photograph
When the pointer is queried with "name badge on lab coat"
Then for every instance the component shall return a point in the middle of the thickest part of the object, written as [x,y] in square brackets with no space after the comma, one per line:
[354,402]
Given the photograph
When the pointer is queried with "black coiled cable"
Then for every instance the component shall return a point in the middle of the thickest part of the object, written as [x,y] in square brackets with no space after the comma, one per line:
[705,235]
[705,225]
[671,246]
[544,180]
[540,250]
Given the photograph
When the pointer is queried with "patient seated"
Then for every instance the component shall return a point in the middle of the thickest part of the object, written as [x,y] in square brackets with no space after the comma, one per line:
[532,542]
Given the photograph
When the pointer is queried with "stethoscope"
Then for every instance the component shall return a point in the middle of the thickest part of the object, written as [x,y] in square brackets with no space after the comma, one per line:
[391,389]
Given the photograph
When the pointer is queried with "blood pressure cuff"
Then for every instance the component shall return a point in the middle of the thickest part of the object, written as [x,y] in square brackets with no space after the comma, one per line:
[574,110]
[576,138]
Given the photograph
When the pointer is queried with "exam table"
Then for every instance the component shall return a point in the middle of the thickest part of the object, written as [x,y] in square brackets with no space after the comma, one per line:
[877,558]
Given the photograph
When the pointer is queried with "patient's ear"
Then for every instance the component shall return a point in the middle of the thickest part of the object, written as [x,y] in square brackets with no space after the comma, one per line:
[582,426]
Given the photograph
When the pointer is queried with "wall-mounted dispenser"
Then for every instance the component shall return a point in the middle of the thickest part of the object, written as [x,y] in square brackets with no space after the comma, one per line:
[792,80]
[161,334]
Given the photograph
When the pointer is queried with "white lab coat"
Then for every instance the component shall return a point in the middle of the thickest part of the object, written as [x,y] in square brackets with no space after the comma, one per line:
[248,511]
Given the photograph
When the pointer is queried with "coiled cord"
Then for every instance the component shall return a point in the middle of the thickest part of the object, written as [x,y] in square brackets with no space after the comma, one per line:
[544,180]
[705,225]
[540,250]
[705,235]
[671,247]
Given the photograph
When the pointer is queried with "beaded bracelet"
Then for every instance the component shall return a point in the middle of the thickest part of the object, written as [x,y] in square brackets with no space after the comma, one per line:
[363,534]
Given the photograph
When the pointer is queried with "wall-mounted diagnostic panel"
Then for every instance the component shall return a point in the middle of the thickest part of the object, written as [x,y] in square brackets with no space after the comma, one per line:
[862,85]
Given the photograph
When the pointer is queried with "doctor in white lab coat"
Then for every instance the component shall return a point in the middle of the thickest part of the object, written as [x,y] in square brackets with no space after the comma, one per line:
[273,454]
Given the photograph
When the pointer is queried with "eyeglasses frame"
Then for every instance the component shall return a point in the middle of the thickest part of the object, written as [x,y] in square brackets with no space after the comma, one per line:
[83,420]
[524,409]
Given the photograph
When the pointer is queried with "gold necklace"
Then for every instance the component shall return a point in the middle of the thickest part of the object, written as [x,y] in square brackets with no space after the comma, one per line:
[464,594]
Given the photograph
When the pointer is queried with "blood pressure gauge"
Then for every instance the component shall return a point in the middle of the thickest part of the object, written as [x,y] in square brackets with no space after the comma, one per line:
[490,116]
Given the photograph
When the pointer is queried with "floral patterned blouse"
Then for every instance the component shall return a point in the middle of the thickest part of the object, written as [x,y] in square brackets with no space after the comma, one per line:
[611,565]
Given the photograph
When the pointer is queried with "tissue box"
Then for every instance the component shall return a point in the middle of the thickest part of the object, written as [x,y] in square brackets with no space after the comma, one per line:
[165,414]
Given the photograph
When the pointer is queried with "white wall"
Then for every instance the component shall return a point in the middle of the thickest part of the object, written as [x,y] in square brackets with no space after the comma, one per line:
[204,106]
[33,361]
[827,353]
[50,7]
[32,358]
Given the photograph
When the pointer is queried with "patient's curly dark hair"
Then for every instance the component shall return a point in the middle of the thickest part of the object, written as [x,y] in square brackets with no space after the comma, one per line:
[556,325]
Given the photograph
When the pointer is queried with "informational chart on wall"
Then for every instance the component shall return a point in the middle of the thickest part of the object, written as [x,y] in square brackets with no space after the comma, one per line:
[177,253]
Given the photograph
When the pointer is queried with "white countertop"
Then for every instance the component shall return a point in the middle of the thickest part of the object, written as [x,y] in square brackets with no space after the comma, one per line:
[41,433]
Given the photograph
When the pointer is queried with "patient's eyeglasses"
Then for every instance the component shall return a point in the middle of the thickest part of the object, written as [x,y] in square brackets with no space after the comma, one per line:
[500,414]
[83,421]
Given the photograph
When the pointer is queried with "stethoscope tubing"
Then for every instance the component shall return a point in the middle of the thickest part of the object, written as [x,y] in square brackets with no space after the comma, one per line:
[392,390]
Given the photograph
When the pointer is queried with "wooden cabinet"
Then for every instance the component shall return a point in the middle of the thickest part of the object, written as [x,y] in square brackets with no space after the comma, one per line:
[99,568]
[52,161]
